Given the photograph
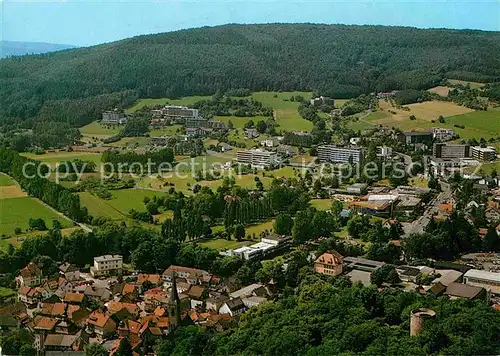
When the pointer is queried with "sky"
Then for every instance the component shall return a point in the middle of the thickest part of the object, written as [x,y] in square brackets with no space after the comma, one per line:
[90,22]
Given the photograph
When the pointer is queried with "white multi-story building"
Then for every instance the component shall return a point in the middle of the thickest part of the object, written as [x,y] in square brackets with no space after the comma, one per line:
[257,158]
[176,112]
[442,134]
[107,264]
[484,153]
[331,153]
[113,117]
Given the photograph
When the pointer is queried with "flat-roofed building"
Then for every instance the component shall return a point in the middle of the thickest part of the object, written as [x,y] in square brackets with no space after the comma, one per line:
[334,154]
[257,158]
[479,278]
[444,150]
[414,137]
[113,117]
[107,264]
[442,134]
[362,264]
[484,153]
[176,112]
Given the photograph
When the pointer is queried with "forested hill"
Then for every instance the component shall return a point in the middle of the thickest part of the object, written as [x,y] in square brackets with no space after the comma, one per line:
[342,61]
[16,48]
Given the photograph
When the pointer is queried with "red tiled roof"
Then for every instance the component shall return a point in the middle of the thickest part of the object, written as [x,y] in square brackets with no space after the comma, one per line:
[98,318]
[45,323]
[152,278]
[71,297]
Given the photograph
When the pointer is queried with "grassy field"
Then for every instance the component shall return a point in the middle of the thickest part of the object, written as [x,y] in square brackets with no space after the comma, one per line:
[15,212]
[322,204]
[164,101]
[166,131]
[239,122]
[477,123]
[52,158]
[223,244]
[5,180]
[286,112]
[131,142]
[440,90]
[95,129]
[473,85]
[258,228]
[99,207]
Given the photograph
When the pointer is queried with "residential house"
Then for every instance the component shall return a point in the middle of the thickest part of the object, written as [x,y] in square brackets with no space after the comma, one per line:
[30,276]
[233,307]
[74,298]
[69,271]
[106,265]
[101,323]
[197,294]
[191,275]
[329,263]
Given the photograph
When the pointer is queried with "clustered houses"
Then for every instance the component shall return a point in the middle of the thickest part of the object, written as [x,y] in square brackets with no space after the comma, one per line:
[466,283]
[68,312]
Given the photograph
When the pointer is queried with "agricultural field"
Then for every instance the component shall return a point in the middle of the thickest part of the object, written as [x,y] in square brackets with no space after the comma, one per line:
[95,129]
[15,212]
[131,142]
[286,112]
[477,123]
[440,90]
[5,180]
[99,207]
[53,158]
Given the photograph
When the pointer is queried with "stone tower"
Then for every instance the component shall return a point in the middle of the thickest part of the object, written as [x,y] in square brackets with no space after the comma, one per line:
[417,317]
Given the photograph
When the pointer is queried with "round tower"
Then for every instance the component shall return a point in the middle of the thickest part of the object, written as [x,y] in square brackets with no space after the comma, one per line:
[417,317]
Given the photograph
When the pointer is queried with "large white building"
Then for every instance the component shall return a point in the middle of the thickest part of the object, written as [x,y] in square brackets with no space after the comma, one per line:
[484,153]
[257,158]
[107,264]
[334,154]
[480,278]
[113,117]
[176,112]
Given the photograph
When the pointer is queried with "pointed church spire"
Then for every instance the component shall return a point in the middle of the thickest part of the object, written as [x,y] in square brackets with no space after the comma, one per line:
[174,308]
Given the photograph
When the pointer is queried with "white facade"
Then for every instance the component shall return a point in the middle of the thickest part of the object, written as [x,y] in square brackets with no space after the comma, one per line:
[104,265]
[331,153]
[257,158]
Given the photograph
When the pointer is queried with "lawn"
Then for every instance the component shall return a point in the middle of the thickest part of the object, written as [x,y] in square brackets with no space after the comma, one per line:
[223,244]
[5,180]
[15,212]
[186,101]
[321,204]
[131,142]
[258,228]
[95,129]
[7,292]
[477,124]
[238,135]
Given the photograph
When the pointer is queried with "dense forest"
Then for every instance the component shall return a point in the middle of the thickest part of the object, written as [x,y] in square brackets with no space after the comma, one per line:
[342,61]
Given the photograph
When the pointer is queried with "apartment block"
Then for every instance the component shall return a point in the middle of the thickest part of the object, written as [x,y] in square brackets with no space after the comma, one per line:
[443,150]
[257,158]
[484,153]
[113,117]
[107,264]
[331,153]
[176,112]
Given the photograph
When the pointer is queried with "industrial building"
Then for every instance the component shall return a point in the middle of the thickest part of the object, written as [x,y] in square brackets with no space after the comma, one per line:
[334,154]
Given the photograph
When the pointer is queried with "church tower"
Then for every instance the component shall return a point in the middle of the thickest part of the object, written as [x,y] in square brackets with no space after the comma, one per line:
[174,306]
